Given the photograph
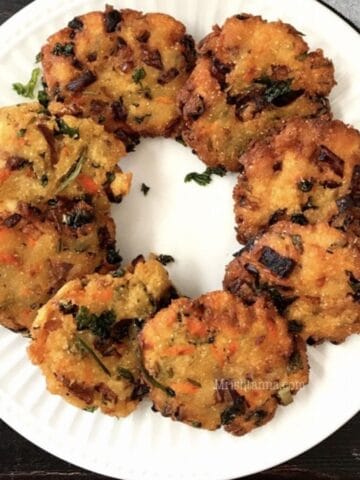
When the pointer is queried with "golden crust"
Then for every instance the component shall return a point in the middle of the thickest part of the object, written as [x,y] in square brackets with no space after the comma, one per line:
[40,157]
[311,273]
[310,170]
[123,69]
[84,338]
[215,361]
[251,77]
[43,247]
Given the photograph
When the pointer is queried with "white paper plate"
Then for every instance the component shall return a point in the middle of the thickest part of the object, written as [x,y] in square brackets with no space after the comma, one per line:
[196,226]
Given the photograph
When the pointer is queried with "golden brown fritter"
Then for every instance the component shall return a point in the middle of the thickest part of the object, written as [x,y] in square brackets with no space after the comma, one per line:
[122,68]
[85,338]
[250,78]
[215,361]
[312,275]
[43,247]
[307,173]
[42,156]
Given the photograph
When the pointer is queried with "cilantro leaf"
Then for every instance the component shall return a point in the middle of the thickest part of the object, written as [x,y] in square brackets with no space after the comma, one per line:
[27,90]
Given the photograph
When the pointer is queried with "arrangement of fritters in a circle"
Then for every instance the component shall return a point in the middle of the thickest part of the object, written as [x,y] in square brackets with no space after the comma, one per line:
[308,173]
[254,101]
[216,361]
[312,275]
[84,339]
[42,155]
[122,68]
[251,77]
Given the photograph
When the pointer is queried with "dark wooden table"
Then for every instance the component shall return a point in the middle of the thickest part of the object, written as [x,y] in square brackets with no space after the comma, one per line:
[337,458]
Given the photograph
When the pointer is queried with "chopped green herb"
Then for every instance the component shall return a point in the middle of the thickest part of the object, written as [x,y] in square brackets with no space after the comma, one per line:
[120,272]
[110,177]
[126,374]
[63,49]
[90,409]
[196,424]
[145,189]
[21,132]
[44,180]
[180,140]
[305,185]
[302,56]
[113,257]
[65,129]
[205,177]
[258,417]
[83,346]
[27,90]
[355,285]
[73,172]
[38,57]
[274,88]
[294,326]
[169,391]
[230,413]
[43,98]
[99,325]
[138,75]
[147,92]
[297,242]
[295,362]
[165,259]
[278,89]
[67,307]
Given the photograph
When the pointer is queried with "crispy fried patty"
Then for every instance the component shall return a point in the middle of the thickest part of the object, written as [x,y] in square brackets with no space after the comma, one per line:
[84,338]
[122,68]
[42,156]
[250,78]
[312,275]
[308,173]
[43,247]
[215,361]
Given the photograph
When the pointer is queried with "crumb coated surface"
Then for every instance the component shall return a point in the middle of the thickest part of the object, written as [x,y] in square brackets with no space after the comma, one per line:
[84,339]
[214,361]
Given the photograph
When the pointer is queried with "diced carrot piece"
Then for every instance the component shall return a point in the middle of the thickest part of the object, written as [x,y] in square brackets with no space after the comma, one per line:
[271,328]
[184,387]
[233,347]
[88,184]
[103,295]
[8,259]
[196,327]
[31,241]
[178,350]
[4,174]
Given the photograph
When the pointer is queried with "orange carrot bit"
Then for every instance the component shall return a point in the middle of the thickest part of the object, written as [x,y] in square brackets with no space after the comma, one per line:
[184,387]
[88,184]
[4,174]
[104,295]
[196,328]
[233,347]
[178,350]
[6,235]
[31,241]
[271,328]
[8,259]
